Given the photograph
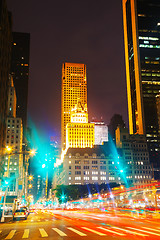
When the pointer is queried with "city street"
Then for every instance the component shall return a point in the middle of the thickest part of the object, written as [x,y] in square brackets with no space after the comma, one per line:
[59,224]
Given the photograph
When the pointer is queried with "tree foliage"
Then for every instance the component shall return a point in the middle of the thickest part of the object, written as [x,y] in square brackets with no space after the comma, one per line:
[66,193]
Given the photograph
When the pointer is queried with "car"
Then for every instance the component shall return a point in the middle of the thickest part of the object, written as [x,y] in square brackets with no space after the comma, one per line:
[20,213]
[26,209]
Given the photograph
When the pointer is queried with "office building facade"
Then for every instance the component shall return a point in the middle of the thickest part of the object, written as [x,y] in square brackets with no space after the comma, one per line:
[5,50]
[134,152]
[100,132]
[74,87]
[13,162]
[141,20]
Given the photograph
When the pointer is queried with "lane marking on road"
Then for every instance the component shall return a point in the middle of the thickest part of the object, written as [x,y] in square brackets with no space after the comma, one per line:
[94,231]
[26,233]
[76,231]
[106,229]
[132,232]
[11,234]
[152,229]
[43,232]
[144,231]
[62,234]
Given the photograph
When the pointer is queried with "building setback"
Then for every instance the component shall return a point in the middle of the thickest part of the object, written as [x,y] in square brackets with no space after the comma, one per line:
[5,50]
[141,20]
[79,133]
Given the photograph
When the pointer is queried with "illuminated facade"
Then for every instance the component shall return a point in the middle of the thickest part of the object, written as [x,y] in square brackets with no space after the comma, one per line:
[13,163]
[74,86]
[84,166]
[141,20]
[135,155]
[79,133]
[100,132]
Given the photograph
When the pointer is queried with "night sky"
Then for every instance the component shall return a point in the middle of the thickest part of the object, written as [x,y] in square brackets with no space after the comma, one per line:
[86,31]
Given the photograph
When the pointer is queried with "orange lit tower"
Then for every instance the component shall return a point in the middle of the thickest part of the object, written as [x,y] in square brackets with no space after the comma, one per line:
[134,87]
[74,86]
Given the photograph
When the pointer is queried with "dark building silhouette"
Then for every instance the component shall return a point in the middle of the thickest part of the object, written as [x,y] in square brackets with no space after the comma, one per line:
[5,54]
[142,54]
[20,72]
[116,120]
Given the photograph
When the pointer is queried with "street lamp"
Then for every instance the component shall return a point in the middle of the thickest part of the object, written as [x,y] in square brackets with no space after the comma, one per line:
[8,153]
[30,178]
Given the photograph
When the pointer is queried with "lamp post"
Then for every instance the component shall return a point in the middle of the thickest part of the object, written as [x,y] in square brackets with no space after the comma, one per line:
[29,154]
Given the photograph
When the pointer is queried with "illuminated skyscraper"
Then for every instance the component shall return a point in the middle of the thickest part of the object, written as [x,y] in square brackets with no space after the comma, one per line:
[13,164]
[74,86]
[141,20]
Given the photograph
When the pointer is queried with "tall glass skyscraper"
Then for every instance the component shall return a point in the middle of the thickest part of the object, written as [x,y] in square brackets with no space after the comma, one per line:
[141,20]
[74,87]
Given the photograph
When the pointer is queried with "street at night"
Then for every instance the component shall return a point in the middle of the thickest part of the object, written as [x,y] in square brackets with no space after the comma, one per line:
[63,224]
[75,162]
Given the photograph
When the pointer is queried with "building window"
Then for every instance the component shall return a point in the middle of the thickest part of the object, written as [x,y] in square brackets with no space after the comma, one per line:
[77,172]
[94,178]
[86,161]
[77,161]
[77,167]
[86,178]
[86,167]
[77,178]
[94,162]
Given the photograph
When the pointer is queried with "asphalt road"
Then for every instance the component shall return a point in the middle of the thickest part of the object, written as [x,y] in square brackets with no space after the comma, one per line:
[77,225]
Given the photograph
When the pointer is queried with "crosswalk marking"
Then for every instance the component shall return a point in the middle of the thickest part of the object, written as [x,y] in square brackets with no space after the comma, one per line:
[62,234]
[43,232]
[132,232]
[106,229]
[76,231]
[94,231]
[26,233]
[11,234]
[152,229]
[141,230]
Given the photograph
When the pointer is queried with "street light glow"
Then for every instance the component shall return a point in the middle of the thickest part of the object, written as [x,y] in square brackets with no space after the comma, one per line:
[43,165]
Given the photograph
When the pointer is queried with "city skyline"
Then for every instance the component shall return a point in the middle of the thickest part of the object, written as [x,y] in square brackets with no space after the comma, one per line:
[53,44]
